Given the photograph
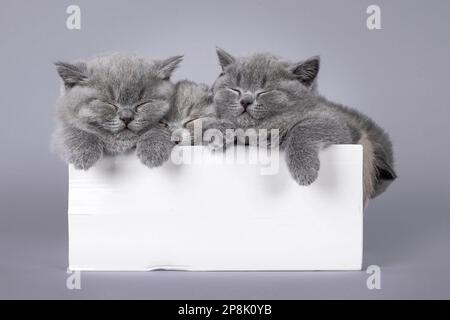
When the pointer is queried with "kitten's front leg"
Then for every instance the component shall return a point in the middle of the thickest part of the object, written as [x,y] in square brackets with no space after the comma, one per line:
[78,147]
[154,147]
[304,141]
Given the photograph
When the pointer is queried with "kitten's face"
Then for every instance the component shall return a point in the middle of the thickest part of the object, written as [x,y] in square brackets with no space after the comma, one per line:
[191,111]
[253,89]
[116,95]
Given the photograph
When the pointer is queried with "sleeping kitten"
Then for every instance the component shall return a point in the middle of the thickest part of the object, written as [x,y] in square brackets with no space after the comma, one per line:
[191,113]
[109,104]
[192,106]
[265,92]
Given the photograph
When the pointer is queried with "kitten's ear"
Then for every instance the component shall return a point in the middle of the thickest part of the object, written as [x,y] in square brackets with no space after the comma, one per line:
[306,71]
[225,58]
[165,68]
[71,74]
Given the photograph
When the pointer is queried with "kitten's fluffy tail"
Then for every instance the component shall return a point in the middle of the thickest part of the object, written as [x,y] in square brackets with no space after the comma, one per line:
[368,167]
[378,174]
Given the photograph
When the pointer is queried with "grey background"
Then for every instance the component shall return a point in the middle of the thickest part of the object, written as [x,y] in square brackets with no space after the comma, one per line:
[398,75]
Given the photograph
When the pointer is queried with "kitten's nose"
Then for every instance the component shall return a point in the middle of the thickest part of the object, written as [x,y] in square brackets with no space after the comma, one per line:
[126,116]
[246,101]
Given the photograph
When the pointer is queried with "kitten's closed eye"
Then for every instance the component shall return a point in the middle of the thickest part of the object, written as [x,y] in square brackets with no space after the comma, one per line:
[261,93]
[235,90]
[190,121]
[107,104]
[142,105]
[163,124]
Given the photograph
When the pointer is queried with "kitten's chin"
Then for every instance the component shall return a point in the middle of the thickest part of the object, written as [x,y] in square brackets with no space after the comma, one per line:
[125,134]
[244,120]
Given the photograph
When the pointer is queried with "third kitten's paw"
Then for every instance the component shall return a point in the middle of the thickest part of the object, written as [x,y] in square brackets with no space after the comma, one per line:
[218,135]
[85,158]
[304,169]
[220,141]
[216,144]
[154,153]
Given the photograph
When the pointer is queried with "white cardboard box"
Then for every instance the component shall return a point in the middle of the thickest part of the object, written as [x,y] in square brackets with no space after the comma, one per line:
[211,215]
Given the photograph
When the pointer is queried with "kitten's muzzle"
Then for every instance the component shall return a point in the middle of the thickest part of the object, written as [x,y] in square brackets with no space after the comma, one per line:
[246,101]
[126,116]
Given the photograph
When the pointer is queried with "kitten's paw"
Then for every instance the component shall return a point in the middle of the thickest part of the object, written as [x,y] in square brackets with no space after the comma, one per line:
[218,136]
[83,159]
[220,142]
[216,145]
[304,170]
[154,153]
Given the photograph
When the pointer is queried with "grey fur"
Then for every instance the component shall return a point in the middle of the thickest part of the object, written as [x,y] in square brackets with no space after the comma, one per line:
[191,105]
[279,94]
[109,104]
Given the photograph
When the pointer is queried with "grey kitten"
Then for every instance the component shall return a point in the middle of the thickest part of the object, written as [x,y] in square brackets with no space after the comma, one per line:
[191,113]
[192,106]
[263,91]
[108,106]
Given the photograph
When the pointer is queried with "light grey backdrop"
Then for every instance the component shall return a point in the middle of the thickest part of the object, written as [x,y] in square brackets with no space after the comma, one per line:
[398,75]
